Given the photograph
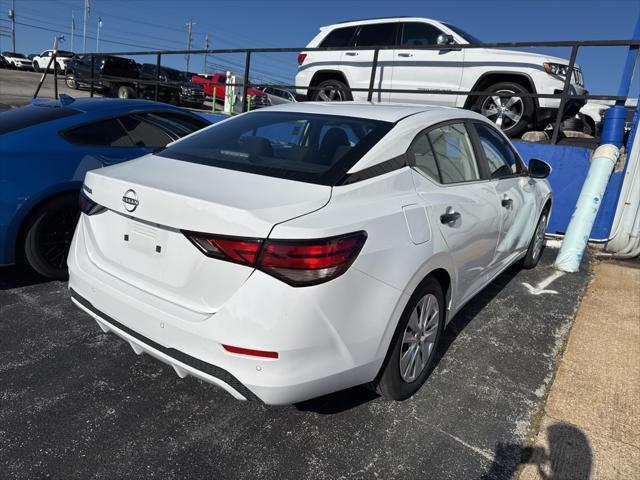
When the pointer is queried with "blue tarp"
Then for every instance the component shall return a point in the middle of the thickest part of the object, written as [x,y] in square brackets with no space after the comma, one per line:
[570,166]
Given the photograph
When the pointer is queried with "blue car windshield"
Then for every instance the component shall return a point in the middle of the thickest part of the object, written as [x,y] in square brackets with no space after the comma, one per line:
[298,146]
[30,115]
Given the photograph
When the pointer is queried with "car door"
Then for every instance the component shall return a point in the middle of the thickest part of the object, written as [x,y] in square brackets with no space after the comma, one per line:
[515,191]
[357,64]
[415,69]
[460,201]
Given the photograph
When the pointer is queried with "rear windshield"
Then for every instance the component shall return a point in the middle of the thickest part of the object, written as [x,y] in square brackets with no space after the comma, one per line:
[23,117]
[297,146]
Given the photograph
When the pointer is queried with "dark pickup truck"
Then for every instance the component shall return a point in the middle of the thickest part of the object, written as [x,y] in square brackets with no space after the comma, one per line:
[174,87]
[113,76]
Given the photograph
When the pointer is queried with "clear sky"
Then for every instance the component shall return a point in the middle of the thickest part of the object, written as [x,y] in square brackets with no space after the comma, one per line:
[161,24]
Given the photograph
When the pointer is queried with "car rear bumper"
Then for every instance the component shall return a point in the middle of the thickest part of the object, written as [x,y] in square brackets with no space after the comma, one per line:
[326,341]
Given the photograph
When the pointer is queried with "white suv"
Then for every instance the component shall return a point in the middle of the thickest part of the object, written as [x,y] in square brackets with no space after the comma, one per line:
[333,73]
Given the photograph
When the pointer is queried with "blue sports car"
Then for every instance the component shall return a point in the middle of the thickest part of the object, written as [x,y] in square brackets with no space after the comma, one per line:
[46,149]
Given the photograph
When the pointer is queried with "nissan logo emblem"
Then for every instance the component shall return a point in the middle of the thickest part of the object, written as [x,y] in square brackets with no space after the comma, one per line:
[130,200]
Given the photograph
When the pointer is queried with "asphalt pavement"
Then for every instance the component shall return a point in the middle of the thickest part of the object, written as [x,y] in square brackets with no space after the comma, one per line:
[78,403]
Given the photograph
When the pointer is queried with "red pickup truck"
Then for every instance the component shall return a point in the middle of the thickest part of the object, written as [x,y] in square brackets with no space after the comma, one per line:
[218,82]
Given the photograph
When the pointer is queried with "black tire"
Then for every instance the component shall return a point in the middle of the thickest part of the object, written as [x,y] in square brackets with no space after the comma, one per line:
[525,109]
[126,92]
[573,124]
[48,235]
[70,81]
[331,91]
[36,67]
[534,252]
[390,382]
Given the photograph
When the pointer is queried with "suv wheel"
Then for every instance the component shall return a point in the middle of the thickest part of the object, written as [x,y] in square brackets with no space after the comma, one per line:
[331,91]
[126,92]
[511,114]
[36,67]
[48,236]
[70,80]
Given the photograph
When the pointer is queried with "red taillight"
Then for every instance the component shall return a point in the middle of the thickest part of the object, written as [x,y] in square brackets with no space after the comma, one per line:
[233,249]
[301,58]
[296,262]
[249,351]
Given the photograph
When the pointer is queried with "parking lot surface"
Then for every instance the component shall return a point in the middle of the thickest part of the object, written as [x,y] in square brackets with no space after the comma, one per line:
[78,403]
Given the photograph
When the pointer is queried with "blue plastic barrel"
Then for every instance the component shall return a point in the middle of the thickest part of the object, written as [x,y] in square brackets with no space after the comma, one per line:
[613,125]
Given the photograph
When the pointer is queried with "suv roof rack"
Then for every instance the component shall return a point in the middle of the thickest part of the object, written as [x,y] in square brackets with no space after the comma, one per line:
[374,18]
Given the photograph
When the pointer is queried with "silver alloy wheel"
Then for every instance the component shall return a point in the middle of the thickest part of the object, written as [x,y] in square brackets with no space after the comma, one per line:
[419,337]
[505,112]
[330,94]
[538,241]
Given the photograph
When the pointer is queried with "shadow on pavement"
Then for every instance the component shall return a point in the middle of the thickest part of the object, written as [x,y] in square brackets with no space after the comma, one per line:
[569,456]
[17,276]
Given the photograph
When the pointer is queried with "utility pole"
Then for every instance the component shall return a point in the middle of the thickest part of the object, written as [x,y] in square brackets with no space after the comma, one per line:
[12,16]
[84,26]
[73,28]
[190,25]
[98,35]
[206,47]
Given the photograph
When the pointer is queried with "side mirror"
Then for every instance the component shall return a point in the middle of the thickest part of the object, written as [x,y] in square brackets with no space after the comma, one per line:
[539,168]
[444,39]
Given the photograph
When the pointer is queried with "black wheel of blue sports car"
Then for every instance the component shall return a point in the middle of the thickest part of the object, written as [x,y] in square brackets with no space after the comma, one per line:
[48,236]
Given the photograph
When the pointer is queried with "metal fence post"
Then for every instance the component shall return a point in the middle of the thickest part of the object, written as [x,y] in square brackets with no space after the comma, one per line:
[565,95]
[157,86]
[372,79]
[55,75]
[245,87]
[93,65]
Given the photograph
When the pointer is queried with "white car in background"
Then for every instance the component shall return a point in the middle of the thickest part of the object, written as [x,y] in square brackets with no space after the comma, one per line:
[42,61]
[17,60]
[503,72]
[305,248]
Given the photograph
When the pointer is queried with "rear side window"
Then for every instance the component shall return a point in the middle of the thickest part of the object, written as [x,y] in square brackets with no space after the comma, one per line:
[144,134]
[298,146]
[424,158]
[377,34]
[176,124]
[454,153]
[340,37]
[418,34]
[106,133]
[30,115]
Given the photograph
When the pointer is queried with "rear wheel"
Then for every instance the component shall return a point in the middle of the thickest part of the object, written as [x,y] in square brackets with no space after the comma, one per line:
[126,92]
[48,236]
[536,246]
[413,347]
[331,91]
[512,114]
[36,67]
[70,80]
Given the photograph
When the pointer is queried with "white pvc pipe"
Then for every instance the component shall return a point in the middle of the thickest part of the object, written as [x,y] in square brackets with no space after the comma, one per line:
[577,235]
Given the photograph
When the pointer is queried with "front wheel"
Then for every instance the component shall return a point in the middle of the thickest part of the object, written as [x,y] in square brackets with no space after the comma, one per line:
[331,91]
[536,245]
[70,80]
[49,234]
[126,92]
[510,113]
[414,343]
[36,67]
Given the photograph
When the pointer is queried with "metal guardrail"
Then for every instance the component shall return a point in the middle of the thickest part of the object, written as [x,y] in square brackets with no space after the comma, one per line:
[245,85]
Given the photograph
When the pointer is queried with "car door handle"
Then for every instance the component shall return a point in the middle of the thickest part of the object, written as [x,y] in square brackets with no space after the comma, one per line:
[351,54]
[507,202]
[449,217]
[403,54]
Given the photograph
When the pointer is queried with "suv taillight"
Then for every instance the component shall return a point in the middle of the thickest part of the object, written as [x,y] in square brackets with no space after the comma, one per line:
[296,262]
[301,58]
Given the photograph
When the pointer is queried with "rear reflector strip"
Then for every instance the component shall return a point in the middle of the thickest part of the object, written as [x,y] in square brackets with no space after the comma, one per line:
[249,351]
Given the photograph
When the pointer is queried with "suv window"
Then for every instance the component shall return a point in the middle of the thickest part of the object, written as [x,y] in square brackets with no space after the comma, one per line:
[340,37]
[454,153]
[105,133]
[500,156]
[382,34]
[417,34]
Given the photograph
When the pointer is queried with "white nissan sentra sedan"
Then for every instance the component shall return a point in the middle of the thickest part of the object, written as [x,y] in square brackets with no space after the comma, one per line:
[302,249]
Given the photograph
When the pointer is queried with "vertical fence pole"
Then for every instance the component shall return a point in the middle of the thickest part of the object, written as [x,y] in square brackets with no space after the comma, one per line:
[565,94]
[157,86]
[93,68]
[372,79]
[213,99]
[245,85]
[55,75]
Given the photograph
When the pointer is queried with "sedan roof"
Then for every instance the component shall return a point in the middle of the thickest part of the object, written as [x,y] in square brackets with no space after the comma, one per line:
[386,113]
